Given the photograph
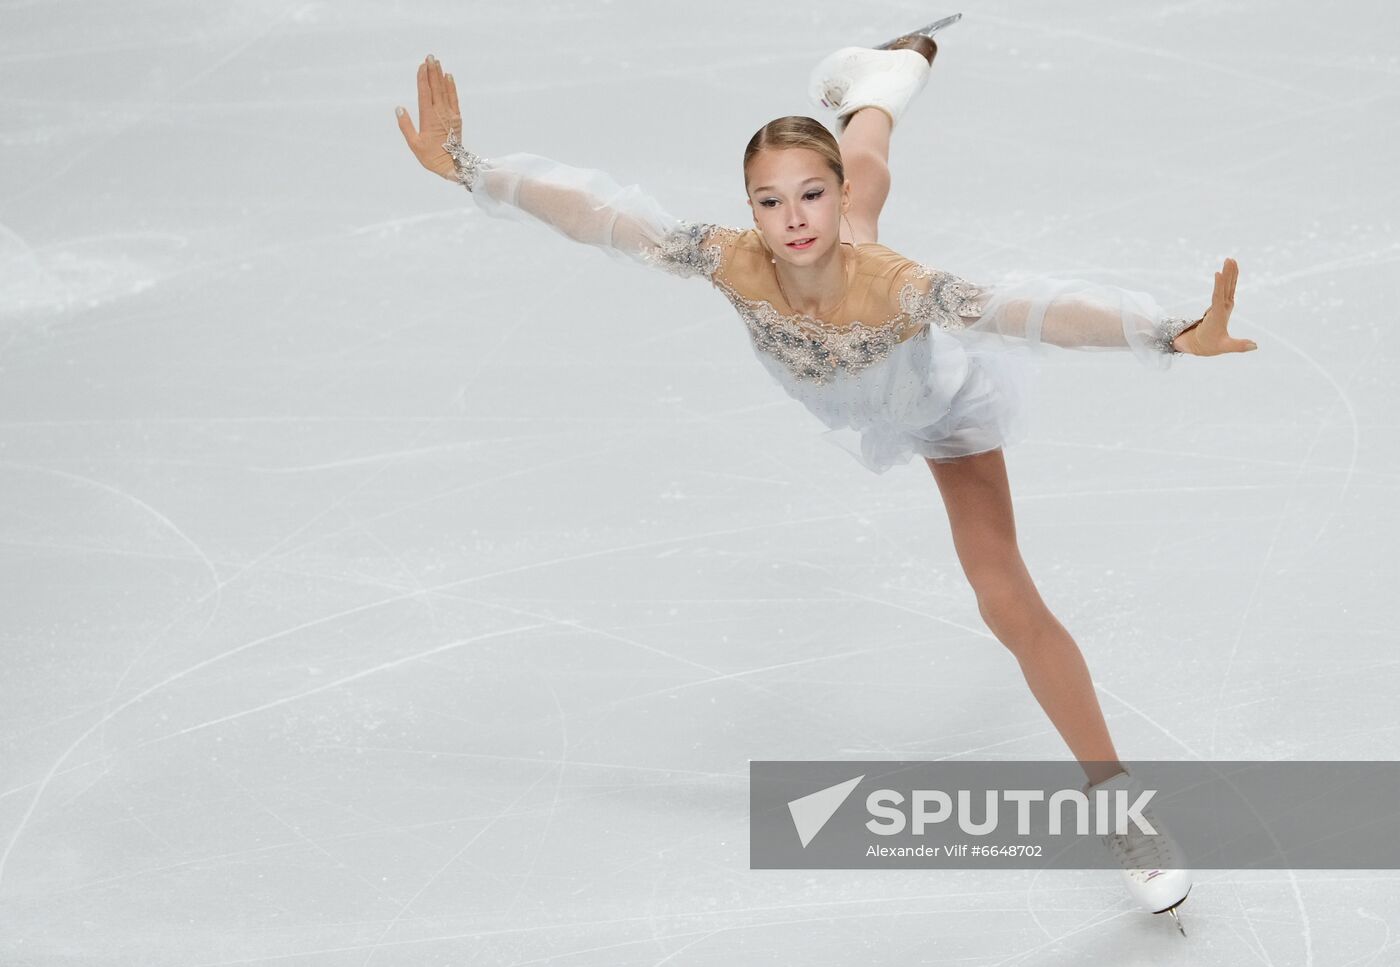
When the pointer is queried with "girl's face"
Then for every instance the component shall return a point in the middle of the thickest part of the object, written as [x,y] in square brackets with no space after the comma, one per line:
[794,196]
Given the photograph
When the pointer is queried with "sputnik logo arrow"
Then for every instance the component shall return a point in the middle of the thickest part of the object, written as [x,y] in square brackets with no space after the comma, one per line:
[810,812]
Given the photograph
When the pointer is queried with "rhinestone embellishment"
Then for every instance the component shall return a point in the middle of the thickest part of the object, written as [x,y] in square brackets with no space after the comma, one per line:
[813,350]
[947,302]
[810,349]
[1168,329]
[464,161]
[690,249]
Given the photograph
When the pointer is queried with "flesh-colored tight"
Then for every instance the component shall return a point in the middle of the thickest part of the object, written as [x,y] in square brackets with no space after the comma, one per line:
[977,496]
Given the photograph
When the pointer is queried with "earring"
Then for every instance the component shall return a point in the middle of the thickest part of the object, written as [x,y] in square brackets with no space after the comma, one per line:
[768,249]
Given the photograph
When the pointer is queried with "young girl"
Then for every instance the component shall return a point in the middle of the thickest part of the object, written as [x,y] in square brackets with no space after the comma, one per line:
[895,357]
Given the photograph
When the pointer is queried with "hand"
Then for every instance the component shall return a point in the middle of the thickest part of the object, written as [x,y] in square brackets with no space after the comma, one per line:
[438,116]
[1209,337]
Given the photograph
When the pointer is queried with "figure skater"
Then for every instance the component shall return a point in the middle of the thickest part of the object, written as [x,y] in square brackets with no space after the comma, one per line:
[895,357]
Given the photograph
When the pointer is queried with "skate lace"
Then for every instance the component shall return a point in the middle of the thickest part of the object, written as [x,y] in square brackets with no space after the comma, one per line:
[1141,851]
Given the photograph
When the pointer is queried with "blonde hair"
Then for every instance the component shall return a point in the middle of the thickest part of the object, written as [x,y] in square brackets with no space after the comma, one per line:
[796,131]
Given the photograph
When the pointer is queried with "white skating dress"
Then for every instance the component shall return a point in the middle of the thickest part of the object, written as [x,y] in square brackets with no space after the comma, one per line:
[915,360]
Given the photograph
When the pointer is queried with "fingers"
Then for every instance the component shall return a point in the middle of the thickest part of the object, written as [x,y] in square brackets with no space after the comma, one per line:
[435,83]
[440,99]
[1227,277]
[425,94]
[406,126]
[1225,282]
[451,86]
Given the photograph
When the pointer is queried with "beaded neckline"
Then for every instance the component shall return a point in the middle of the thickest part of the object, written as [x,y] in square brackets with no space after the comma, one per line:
[892,321]
[810,348]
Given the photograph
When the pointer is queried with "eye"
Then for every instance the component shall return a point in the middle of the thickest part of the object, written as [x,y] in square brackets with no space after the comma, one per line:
[812,195]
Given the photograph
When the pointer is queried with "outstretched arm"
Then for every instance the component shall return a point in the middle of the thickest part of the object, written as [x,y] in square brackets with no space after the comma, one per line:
[582,204]
[1074,314]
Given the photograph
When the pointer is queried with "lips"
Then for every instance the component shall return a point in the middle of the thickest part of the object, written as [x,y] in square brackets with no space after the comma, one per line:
[801,243]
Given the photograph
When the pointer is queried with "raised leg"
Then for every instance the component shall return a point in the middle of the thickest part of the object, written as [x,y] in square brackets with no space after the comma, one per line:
[977,497]
[865,151]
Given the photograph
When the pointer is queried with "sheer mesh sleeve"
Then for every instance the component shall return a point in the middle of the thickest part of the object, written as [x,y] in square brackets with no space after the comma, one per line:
[589,206]
[1070,313]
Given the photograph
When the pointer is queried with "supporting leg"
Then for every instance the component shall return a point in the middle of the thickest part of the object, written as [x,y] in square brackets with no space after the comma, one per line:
[977,497]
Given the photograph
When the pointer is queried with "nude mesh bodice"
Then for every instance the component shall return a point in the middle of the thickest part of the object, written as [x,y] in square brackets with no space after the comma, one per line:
[889,299]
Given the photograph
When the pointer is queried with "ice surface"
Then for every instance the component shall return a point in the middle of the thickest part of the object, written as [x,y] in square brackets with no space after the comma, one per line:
[391,585]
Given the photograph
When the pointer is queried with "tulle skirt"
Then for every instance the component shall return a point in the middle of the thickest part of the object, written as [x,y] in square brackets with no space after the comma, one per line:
[977,399]
[946,393]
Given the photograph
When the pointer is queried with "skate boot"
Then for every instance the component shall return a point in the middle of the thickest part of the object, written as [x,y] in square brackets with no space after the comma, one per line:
[1153,865]
[886,77]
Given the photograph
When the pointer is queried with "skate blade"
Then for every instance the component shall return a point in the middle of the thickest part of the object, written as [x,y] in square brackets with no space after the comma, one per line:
[926,31]
[1172,911]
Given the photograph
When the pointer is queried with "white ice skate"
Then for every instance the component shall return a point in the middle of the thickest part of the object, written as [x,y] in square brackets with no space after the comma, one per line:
[1154,866]
[886,77]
